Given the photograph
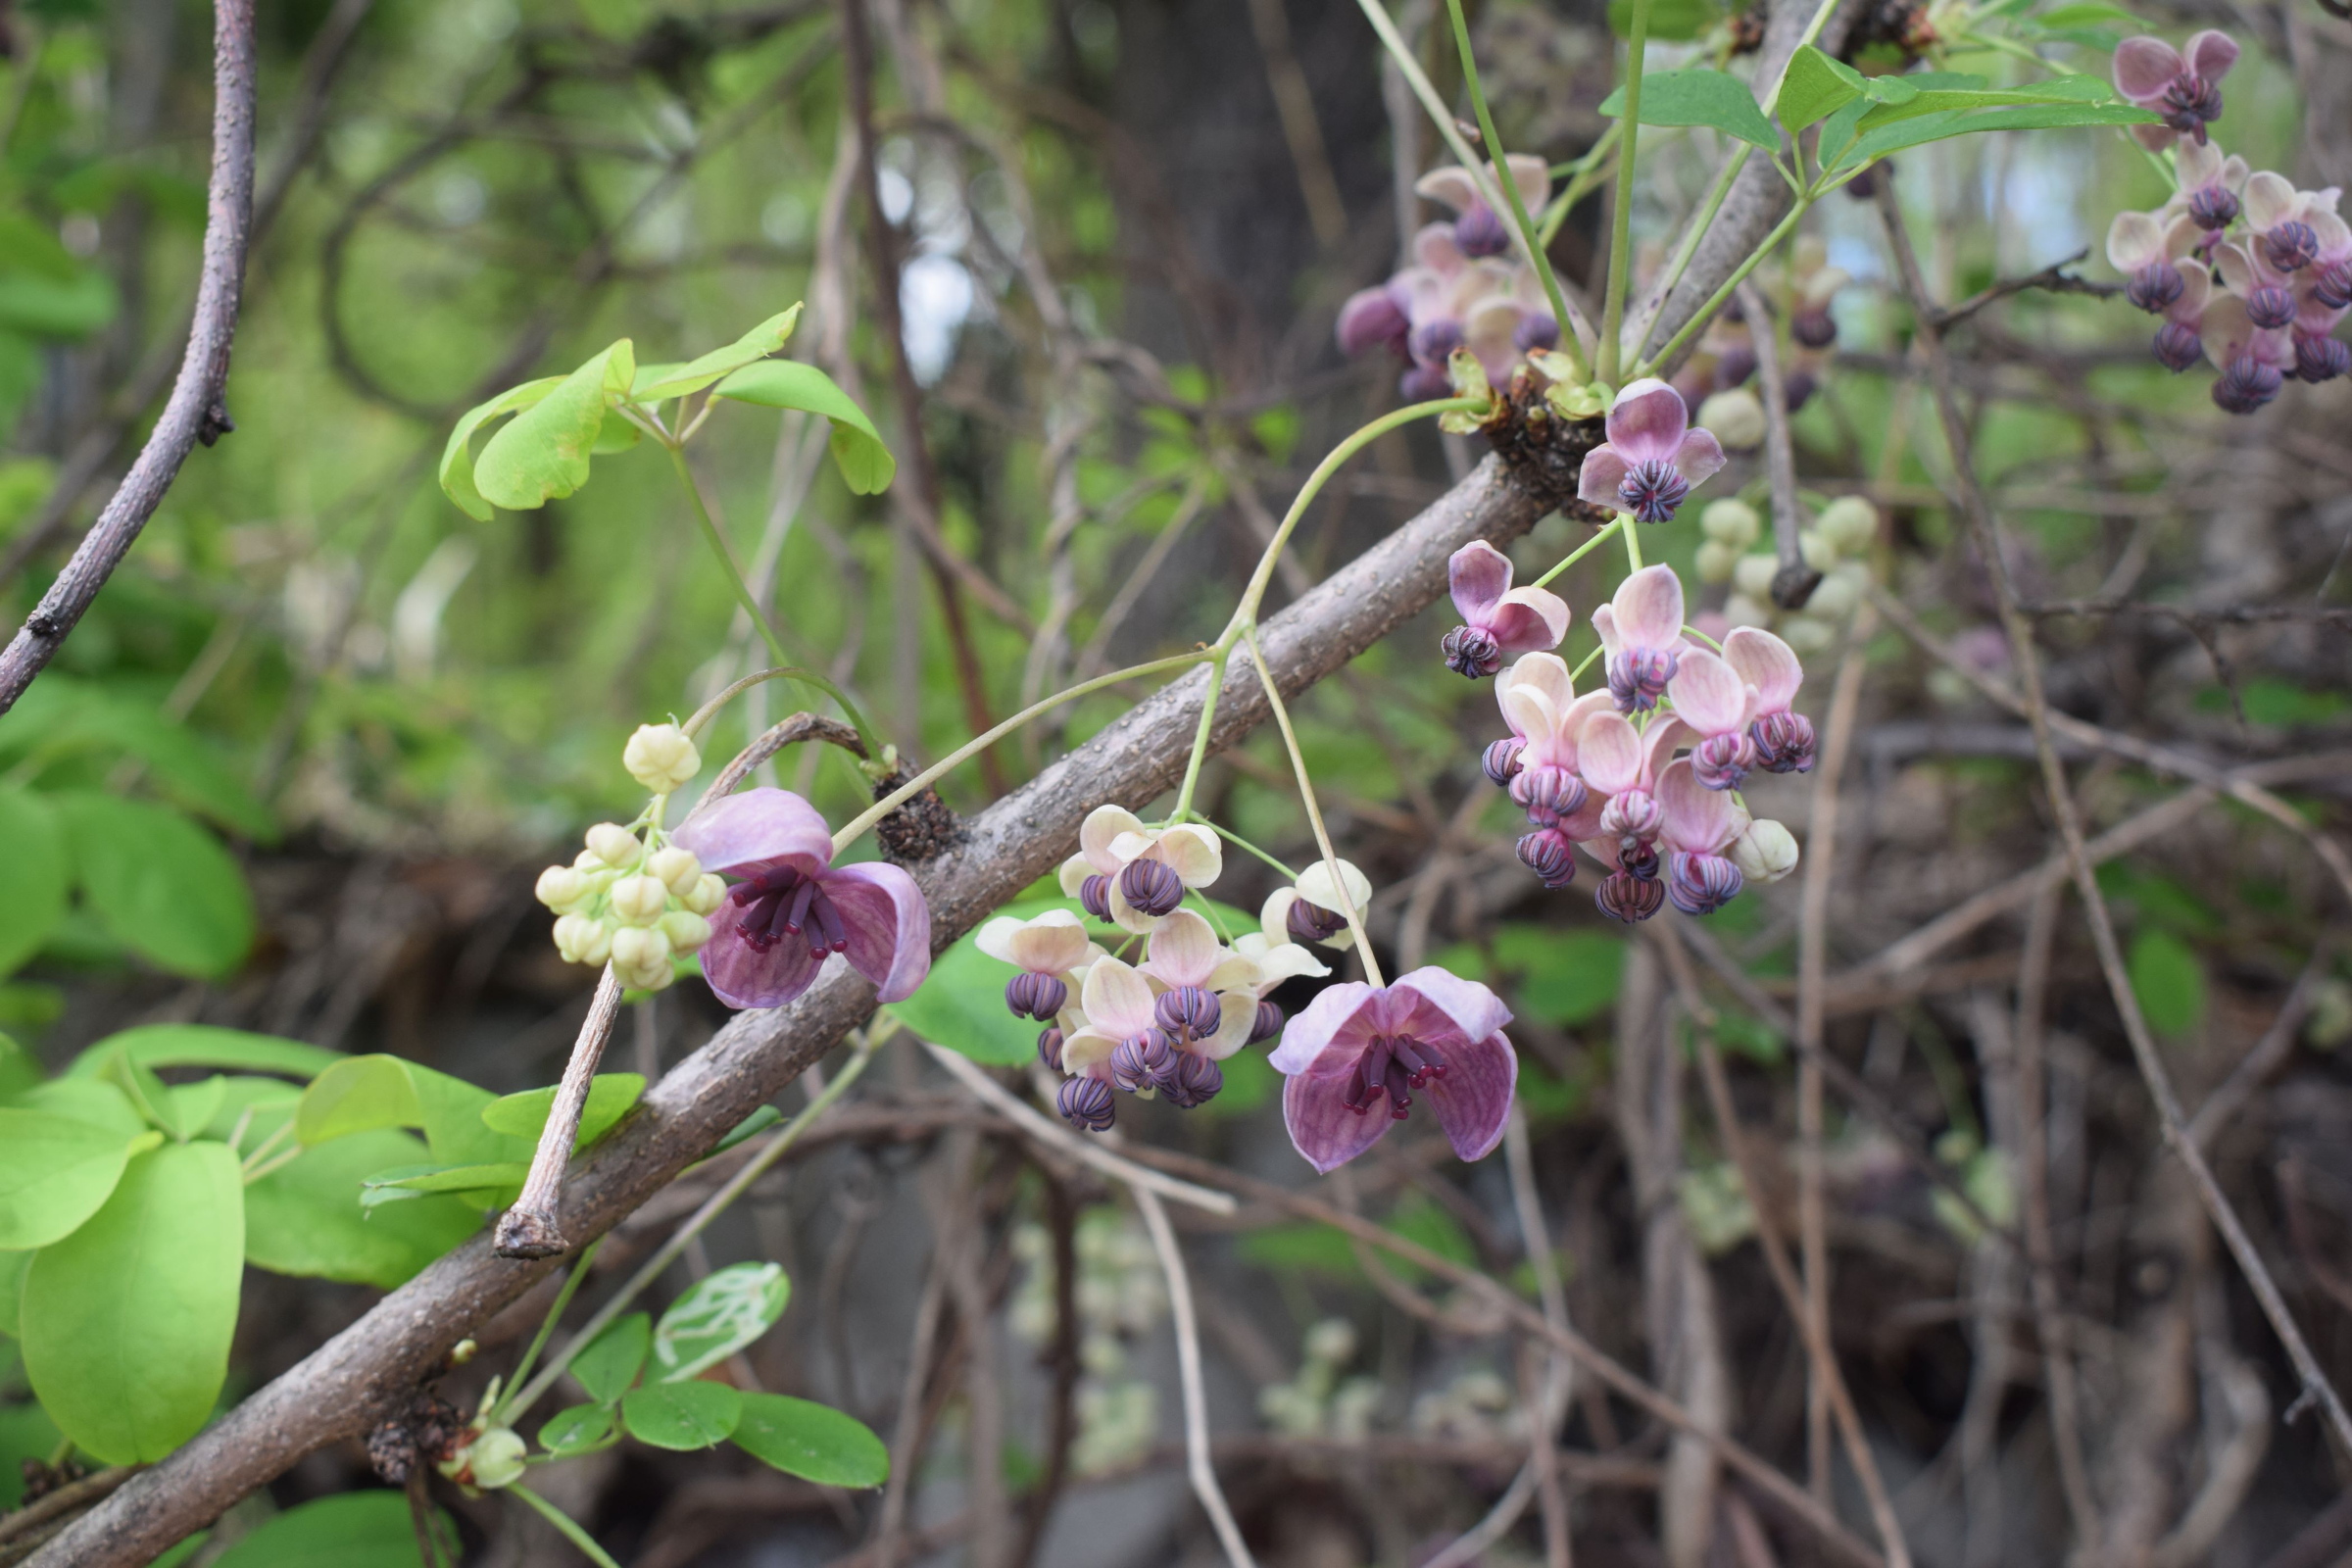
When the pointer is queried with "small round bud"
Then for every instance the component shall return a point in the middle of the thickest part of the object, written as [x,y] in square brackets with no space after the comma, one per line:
[1547,852]
[590,862]
[1808,634]
[462,1351]
[2322,359]
[613,845]
[494,1459]
[1753,577]
[2291,245]
[1702,884]
[1501,759]
[1765,852]
[1838,595]
[1093,896]
[2177,346]
[678,869]
[710,891]
[573,935]
[1731,521]
[1814,328]
[2270,308]
[1848,524]
[1036,996]
[1717,560]
[688,932]
[661,757]
[2155,286]
[1480,231]
[640,900]
[1152,887]
[1086,1104]
[1735,417]
[1740,610]
[2245,383]
[639,948]
[560,887]
[1816,550]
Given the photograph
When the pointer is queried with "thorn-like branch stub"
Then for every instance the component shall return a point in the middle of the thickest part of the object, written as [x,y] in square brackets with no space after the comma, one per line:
[532,1228]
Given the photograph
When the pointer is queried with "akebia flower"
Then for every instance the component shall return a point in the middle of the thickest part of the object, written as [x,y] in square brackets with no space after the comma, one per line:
[1132,875]
[1499,621]
[1357,1057]
[1641,630]
[1477,229]
[1698,825]
[2253,360]
[1711,698]
[1783,737]
[1313,908]
[791,909]
[1652,457]
[1049,950]
[2183,86]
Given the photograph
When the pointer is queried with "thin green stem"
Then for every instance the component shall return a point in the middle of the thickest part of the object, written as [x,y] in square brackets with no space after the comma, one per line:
[518,1405]
[1524,225]
[1208,714]
[547,1326]
[1314,812]
[1582,550]
[725,554]
[1621,214]
[794,673]
[1694,631]
[1240,843]
[567,1526]
[1633,543]
[1584,664]
[1715,302]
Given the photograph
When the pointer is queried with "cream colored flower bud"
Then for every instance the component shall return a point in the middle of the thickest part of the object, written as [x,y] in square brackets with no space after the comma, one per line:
[640,900]
[1753,577]
[687,931]
[1742,611]
[615,844]
[1816,550]
[562,887]
[1849,523]
[1735,417]
[1765,852]
[491,1461]
[640,952]
[678,869]
[1716,561]
[590,862]
[1808,634]
[709,892]
[1731,521]
[1838,595]
[661,757]
[582,939]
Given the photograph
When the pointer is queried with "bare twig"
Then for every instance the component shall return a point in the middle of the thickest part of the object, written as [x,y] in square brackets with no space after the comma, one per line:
[1795,581]
[533,1226]
[2053,278]
[1201,1464]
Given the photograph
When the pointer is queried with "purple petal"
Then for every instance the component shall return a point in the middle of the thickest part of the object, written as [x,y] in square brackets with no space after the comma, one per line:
[742,976]
[1597,480]
[889,925]
[1332,1018]
[1371,316]
[1699,820]
[1529,621]
[1698,456]
[1473,1101]
[2143,67]
[1471,1011]
[1648,420]
[1479,575]
[2211,54]
[754,830]
[1324,1131]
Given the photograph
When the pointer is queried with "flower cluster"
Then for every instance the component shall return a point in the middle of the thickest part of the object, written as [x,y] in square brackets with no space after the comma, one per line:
[1605,771]
[633,902]
[2243,268]
[1464,289]
[1834,546]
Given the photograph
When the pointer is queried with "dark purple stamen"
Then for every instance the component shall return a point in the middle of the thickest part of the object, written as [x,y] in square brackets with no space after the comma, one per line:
[1480,231]
[1310,922]
[1191,1080]
[1267,1024]
[1086,1104]
[1547,793]
[1391,1066]
[1638,677]
[2155,286]
[1188,1012]
[1138,1059]
[2270,308]
[1151,887]
[1815,329]
[2331,285]
[2321,359]
[1471,650]
[1434,341]
[1093,896]
[1636,813]
[1702,884]
[784,903]
[1035,995]
[1785,741]
[1638,858]
[1652,490]
[1536,331]
[1800,387]
[1547,852]
[2291,245]
[2246,385]
[1722,762]
[1735,365]
[1501,759]
[2213,207]
[1629,899]
[2189,103]
[2178,347]
[1049,1049]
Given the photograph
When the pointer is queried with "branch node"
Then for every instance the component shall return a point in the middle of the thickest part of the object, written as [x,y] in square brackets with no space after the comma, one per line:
[1793,585]
[215,423]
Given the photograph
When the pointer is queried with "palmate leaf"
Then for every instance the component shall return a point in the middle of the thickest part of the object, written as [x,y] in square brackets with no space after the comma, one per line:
[864,461]
[1699,97]
[658,382]
[542,454]
[1816,86]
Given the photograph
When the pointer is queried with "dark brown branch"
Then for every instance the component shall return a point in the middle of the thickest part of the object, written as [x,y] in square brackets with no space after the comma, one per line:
[196,410]
[2053,278]
[2192,616]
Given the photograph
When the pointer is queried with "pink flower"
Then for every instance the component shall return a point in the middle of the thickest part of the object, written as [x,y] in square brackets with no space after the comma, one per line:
[1502,621]
[1651,458]
[2211,186]
[2253,360]
[1373,316]
[1640,629]
[2184,86]
[1700,825]
[1783,737]
[1479,229]
[1356,1055]
[1718,705]
[793,907]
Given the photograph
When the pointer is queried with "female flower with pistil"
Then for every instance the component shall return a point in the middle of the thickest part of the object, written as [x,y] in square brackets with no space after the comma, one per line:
[1652,455]
[2184,86]
[792,909]
[1640,631]
[1131,875]
[1500,621]
[1355,1058]
[1783,737]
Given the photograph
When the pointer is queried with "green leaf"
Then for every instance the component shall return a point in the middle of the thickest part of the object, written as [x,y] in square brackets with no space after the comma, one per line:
[147,1094]
[578,1430]
[681,1416]
[200,1044]
[20,1069]
[128,1321]
[54,1174]
[960,1005]
[1699,97]
[45,307]
[542,454]
[758,1121]
[719,1316]
[610,1095]
[1816,85]
[358,1093]
[1919,99]
[12,1299]
[478,1187]
[33,877]
[865,463]
[2167,981]
[1961,122]
[159,884]
[812,1441]
[1566,977]
[613,1360]
[101,1105]
[658,382]
[457,457]
[369,1528]
[1670,20]
[305,1217]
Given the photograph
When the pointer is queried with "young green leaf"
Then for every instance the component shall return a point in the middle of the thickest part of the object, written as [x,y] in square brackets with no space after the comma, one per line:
[305,1218]
[719,1316]
[201,1045]
[370,1529]
[581,1429]
[1816,85]
[812,1441]
[1962,122]
[54,1174]
[2168,982]
[758,1121]
[128,1321]
[610,1095]
[542,454]
[33,877]
[159,884]
[681,1416]
[1931,100]
[101,1105]
[457,456]
[656,383]
[613,1360]
[480,1186]
[20,1069]
[960,1005]
[865,463]
[356,1094]
[1699,97]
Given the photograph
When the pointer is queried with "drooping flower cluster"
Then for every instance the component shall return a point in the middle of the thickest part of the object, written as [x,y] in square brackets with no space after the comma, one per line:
[1834,546]
[1606,773]
[2242,268]
[1464,289]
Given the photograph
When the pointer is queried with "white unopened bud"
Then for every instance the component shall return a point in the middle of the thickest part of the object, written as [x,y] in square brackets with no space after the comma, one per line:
[640,900]
[1765,852]
[1753,577]
[642,955]
[1730,521]
[582,939]
[1818,552]
[710,892]
[613,845]
[1742,611]
[678,869]
[1716,560]
[1808,634]
[1838,594]
[589,861]
[1735,417]
[1850,524]
[661,757]
[687,931]
[562,887]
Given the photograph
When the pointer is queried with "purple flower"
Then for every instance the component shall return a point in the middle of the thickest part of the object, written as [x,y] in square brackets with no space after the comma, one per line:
[1477,229]
[1502,621]
[1651,458]
[1783,737]
[2253,360]
[2322,359]
[2184,86]
[1718,705]
[1358,1054]
[793,907]
[1700,825]
[1640,631]
[1372,317]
